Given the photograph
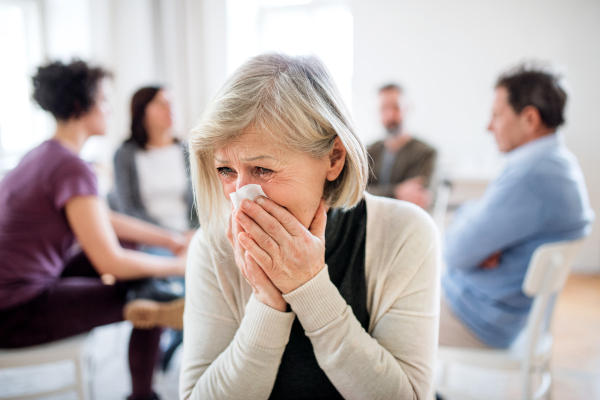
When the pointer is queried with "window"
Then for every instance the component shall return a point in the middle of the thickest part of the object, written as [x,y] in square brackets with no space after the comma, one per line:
[22,124]
[321,27]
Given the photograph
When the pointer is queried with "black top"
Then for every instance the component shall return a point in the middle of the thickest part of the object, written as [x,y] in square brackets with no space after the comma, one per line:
[299,375]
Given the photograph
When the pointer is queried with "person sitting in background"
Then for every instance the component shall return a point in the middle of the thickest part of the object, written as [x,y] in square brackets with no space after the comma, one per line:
[540,197]
[318,290]
[50,199]
[402,165]
[151,167]
[152,175]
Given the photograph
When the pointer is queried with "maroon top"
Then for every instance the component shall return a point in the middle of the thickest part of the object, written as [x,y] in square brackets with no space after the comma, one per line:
[34,233]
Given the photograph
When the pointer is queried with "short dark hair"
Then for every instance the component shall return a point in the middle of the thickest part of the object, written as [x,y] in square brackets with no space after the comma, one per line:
[140,100]
[67,90]
[391,86]
[531,86]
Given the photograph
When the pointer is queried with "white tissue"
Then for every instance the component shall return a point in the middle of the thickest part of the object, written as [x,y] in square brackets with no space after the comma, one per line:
[249,192]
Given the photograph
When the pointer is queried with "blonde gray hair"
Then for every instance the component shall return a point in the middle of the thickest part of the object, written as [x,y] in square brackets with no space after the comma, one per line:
[293,100]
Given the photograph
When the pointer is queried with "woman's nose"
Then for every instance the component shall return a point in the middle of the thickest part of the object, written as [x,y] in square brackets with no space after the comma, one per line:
[243,180]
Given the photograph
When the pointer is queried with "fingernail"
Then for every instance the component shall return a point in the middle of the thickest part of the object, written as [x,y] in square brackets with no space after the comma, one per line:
[245,204]
[260,200]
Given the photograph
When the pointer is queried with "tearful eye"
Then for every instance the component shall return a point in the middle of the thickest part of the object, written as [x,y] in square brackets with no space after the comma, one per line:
[263,171]
[224,171]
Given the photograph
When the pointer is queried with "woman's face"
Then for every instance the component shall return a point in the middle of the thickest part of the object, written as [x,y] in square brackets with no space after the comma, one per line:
[95,120]
[158,116]
[291,179]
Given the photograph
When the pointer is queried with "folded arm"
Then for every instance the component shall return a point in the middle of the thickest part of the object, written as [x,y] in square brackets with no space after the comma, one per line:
[505,216]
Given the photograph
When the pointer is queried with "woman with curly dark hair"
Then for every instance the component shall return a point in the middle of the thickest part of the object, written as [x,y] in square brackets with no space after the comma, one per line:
[49,200]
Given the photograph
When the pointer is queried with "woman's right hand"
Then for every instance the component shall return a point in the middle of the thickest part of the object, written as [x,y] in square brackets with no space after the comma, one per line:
[263,288]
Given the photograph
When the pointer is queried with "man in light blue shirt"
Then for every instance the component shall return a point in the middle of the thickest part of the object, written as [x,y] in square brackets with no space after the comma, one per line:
[540,197]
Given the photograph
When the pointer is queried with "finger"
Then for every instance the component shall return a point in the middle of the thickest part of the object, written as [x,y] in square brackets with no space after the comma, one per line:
[260,256]
[268,222]
[229,233]
[319,222]
[247,271]
[287,220]
[265,241]
[236,229]
[260,279]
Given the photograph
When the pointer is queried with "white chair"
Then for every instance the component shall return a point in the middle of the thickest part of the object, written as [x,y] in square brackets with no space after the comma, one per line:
[70,349]
[530,354]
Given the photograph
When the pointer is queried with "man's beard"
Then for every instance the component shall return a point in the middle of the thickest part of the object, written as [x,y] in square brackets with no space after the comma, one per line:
[394,130]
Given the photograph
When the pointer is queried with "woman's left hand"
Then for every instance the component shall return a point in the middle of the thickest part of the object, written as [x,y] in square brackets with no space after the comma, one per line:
[288,253]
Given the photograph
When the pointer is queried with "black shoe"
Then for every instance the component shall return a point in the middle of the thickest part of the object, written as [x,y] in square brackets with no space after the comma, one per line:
[157,289]
[154,303]
[154,397]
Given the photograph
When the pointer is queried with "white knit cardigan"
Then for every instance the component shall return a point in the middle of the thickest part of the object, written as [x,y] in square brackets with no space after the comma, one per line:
[233,343]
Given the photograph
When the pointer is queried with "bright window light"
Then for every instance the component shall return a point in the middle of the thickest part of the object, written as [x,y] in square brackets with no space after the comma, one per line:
[22,124]
[321,27]
[280,3]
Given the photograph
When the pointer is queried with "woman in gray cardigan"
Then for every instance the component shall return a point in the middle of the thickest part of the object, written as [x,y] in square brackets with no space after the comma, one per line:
[152,167]
[152,179]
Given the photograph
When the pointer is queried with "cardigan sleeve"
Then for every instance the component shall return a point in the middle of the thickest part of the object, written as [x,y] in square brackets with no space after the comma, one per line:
[224,359]
[129,199]
[394,361]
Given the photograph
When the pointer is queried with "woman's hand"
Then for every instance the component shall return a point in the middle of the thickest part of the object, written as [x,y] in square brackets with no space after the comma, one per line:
[288,253]
[178,243]
[263,288]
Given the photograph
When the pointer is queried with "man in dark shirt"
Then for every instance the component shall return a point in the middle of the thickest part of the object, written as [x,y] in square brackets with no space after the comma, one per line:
[402,165]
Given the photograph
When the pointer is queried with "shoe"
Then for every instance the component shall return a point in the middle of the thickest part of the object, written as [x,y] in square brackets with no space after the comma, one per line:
[154,397]
[154,303]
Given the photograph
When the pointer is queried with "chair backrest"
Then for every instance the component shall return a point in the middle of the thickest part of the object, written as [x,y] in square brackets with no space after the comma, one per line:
[546,275]
[550,266]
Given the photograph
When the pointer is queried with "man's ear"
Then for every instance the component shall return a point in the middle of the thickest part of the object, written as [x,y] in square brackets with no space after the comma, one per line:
[532,118]
[337,159]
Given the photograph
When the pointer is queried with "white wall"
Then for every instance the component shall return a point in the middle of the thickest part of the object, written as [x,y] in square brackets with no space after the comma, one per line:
[448,55]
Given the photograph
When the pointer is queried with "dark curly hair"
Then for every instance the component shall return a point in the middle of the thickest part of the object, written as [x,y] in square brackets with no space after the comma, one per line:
[67,90]
[139,102]
[530,85]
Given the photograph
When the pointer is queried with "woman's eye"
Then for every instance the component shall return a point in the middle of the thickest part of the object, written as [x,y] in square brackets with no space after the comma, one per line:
[224,171]
[263,171]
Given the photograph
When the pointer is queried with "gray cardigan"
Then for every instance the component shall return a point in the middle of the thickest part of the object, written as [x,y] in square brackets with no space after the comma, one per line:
[126,197]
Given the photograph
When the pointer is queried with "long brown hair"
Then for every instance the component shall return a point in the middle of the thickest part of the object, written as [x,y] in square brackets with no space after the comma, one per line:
[139,102]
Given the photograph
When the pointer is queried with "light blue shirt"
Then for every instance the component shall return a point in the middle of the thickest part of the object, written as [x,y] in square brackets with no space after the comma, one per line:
[539,198]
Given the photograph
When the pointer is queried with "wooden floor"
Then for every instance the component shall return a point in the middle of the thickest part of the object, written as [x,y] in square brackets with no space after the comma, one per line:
[576,358]
[576,362]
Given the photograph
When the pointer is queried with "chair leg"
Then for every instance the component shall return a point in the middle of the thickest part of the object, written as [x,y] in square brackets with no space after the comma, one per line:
[89,374]
[80,381]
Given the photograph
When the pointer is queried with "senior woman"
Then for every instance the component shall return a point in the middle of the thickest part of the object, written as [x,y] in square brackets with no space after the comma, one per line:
[316,290]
